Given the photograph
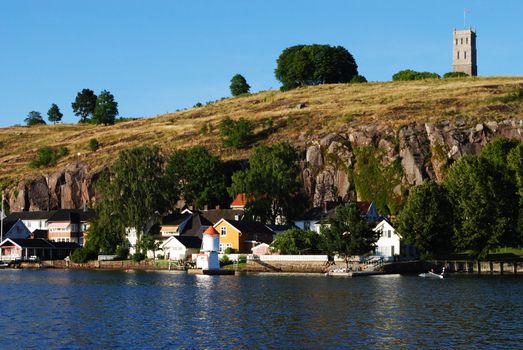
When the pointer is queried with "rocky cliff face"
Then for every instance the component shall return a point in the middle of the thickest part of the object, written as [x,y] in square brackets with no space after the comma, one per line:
[69,188]
[333,167]
[424,151]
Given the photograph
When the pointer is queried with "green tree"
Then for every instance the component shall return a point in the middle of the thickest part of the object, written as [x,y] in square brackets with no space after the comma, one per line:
[425,221]
[239,85]
[54,115]
[34,118]
[313,65]
[237,134]
[347,234]
[484,202]
[295,241]
[498,150]
[106,109]
[271,182]
[84,104]
[409,74]
[135,192]
[198,175]
[515,163]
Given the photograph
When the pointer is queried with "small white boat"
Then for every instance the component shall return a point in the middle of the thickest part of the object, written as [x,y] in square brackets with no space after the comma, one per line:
[431,274]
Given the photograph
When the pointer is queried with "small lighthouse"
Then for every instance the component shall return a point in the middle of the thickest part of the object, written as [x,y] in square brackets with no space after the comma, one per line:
[208,257]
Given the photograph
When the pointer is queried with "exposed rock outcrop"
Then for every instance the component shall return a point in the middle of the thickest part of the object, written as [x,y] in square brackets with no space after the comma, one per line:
[69,188]
[424,150]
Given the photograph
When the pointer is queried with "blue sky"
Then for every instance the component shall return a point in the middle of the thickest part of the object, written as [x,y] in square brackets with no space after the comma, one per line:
[162,55]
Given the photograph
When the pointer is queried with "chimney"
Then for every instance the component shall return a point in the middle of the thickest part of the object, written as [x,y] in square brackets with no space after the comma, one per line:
[237,217]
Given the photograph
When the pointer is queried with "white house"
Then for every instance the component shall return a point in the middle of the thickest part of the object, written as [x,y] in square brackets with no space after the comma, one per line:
[389,241]
[181,247]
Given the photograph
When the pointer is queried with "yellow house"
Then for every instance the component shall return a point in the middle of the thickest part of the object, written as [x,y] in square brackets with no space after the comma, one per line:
[242,235]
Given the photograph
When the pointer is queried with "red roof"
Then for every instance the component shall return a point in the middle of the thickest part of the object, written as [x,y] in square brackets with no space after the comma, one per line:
[211,231]
[239,201]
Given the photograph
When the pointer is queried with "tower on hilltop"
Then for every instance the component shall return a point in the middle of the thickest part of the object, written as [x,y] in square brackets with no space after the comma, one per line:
[464,52]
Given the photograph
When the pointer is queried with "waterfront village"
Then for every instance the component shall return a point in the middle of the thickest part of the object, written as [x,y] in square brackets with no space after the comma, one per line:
[56,234]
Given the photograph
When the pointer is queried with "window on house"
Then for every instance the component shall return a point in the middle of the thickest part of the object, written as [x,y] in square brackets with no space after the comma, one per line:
[229,245]
[222,247]
[223,231]
[389,233]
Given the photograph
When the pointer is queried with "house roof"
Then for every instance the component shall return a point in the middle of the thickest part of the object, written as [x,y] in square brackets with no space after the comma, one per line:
[363,207]
[56,215]
[239,201]
[28,243]
[31,215]
[175,218]
[194,225]
[8,224]
[40,234]
[215,215]
[317,214]
[280,228]
[189,241]
[247,226]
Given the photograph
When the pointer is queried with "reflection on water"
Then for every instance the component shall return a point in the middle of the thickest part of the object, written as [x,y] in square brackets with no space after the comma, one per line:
[101,309]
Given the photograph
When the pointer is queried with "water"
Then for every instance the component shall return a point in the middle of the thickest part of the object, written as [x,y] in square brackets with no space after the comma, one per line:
[62,309]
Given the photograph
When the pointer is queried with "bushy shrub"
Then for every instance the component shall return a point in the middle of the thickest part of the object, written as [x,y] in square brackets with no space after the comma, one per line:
[455,75]
[409,74]
[242,259]
[138,257]
[122,252]
[229,250]
[94,144]
[237,134]
[48,156]
[225,260]
[62,152]
[82,255]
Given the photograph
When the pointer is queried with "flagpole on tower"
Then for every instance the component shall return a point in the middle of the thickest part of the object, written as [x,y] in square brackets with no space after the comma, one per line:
[465,11]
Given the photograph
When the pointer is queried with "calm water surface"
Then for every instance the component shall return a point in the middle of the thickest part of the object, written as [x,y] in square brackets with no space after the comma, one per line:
[62,309]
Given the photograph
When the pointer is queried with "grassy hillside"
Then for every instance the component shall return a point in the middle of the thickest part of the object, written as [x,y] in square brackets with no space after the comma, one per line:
[323,109]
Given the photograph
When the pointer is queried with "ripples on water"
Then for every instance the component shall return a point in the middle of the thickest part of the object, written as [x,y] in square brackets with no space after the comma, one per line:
[103,309]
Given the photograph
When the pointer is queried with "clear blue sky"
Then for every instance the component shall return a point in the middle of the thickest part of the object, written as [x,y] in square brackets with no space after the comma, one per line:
[161,55]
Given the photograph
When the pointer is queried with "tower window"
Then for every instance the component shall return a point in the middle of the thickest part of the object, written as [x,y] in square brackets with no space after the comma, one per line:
[461,41]
[458,55]
[467,41]
[456,41]
[465,55]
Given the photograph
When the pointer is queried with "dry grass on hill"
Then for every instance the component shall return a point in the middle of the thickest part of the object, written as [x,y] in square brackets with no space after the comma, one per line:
[328,108]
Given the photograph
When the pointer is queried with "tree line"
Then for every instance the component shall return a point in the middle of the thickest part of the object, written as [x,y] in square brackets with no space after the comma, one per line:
[89,107]
[143,184]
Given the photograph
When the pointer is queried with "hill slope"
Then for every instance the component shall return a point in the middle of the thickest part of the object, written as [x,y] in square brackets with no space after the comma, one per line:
[299,116]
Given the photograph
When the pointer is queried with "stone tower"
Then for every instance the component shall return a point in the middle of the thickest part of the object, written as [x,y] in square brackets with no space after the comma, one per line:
[464,52]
